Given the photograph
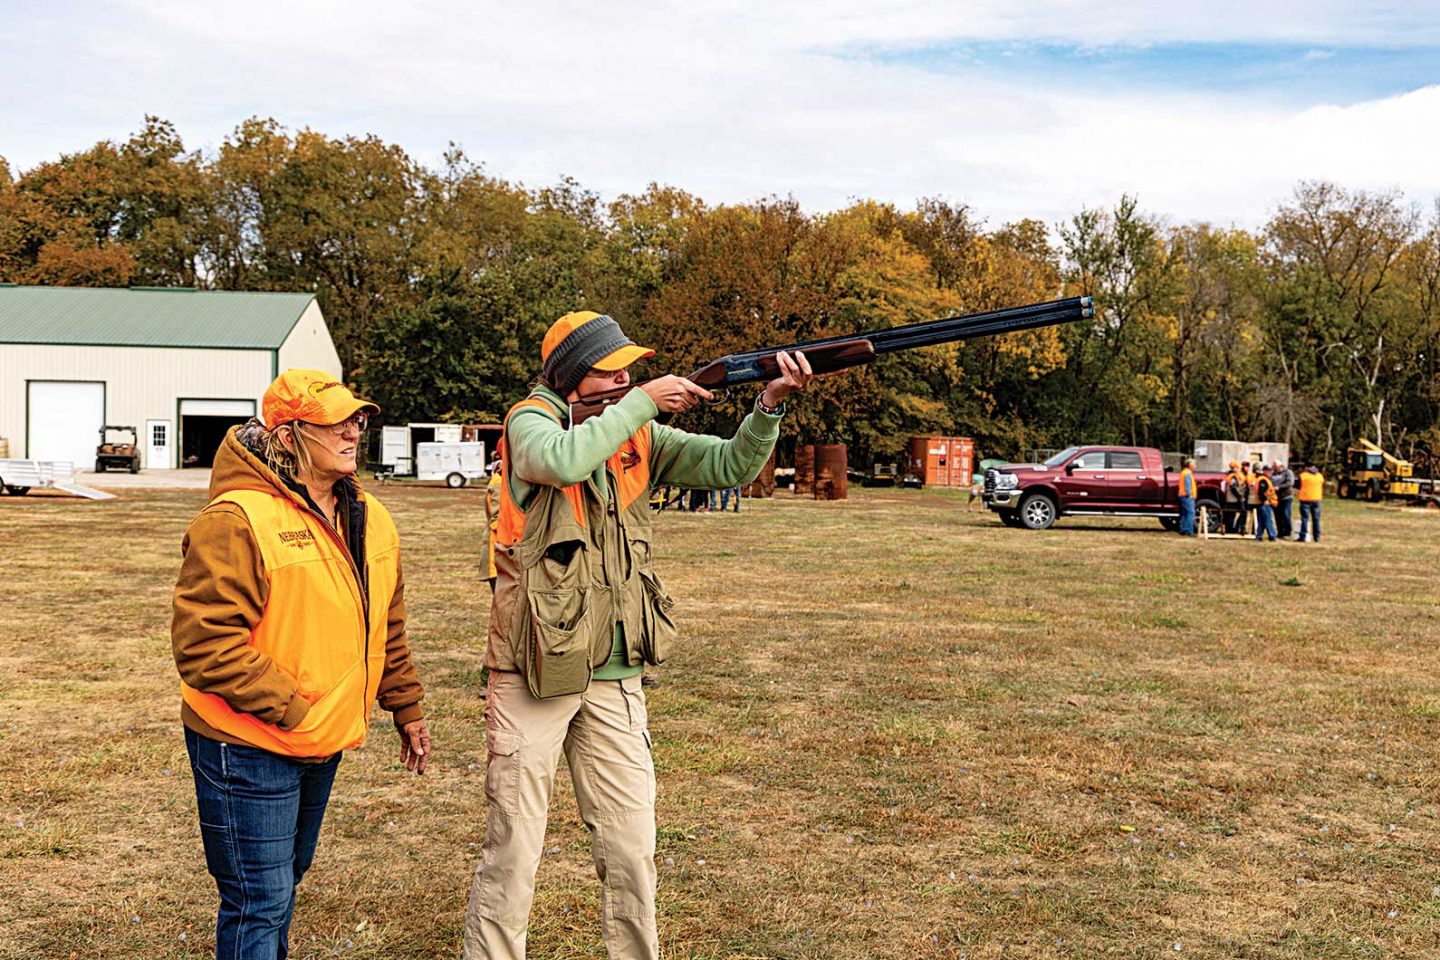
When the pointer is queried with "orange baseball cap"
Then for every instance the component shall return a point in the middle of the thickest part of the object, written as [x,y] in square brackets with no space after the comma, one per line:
[617,359]
[313,396]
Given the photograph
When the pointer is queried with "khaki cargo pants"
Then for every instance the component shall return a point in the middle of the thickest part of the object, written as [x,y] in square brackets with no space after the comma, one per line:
[604,735]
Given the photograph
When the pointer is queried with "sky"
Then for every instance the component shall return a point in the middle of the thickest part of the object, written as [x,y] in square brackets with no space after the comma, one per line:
[1204,111]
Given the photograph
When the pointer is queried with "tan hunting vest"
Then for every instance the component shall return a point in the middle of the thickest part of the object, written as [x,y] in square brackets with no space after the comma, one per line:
[572,564]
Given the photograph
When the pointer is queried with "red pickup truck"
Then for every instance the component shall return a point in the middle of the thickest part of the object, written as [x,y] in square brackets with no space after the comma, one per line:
[1095,481]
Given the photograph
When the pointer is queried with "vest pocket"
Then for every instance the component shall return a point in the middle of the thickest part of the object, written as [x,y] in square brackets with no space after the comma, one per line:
[557,648]
[659,629]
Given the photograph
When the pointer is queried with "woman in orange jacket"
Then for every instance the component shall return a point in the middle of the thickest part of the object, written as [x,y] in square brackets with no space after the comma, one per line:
[289,623]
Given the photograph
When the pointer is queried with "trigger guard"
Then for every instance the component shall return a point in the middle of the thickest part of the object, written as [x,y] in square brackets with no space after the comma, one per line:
[718,396]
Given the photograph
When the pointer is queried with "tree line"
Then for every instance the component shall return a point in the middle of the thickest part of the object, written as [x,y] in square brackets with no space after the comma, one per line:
[439,282]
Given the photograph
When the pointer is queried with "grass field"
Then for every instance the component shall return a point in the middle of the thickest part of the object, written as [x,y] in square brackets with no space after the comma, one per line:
[893,729]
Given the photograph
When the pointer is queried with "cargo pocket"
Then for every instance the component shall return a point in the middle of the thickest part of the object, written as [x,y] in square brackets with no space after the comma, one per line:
[502,772]
[659,629]
[638,715]
[557,658]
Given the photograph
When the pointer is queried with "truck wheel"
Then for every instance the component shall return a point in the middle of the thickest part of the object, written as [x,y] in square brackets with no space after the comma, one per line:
[1008,517]
[1372,492]
[1342,489]
[455,481]
[1037,511]
[1213,519]
[134,466]
[99,466]
[15,490]
[1170,523]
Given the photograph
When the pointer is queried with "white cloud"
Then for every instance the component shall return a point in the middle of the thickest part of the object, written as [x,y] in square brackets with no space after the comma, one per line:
[733,100]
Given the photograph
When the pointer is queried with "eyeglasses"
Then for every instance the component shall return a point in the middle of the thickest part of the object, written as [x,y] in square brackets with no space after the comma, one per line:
[359,421]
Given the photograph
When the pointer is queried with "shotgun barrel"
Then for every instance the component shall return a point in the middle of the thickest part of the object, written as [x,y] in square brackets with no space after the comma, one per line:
[830,354]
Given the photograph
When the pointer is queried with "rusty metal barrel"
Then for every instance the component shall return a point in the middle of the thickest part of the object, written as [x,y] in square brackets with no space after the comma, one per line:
[805,470]
[764,484]
[831,463]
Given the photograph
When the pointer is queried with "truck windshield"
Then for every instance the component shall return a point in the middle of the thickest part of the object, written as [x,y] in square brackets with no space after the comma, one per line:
[1061,457]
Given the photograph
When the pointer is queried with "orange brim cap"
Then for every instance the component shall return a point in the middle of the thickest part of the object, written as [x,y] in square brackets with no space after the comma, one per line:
[623,357]
[312,396]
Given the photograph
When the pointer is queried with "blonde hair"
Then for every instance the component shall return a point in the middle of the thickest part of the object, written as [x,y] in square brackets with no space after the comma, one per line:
[289,462]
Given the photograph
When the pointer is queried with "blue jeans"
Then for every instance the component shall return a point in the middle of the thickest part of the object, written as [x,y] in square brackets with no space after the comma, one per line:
[1264,522]
[1310,518]
[1187,516]
[260,817]
[725,496]
[1284,519]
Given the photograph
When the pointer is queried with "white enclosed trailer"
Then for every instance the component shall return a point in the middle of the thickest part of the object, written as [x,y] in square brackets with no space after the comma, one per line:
[455,463]
[400,445]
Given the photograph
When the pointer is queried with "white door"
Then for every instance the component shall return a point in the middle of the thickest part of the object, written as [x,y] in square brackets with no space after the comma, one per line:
[64,418]
[159,435]
[394,445]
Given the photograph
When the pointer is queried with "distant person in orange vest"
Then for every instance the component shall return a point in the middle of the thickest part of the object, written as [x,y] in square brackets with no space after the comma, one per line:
[1235,493]
[492,520]
[288,625]
[1249,474]
[1312,492]
[1186,498]
[1265,501]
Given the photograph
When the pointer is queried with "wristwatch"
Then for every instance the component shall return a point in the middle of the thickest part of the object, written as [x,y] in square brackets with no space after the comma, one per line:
[765,408]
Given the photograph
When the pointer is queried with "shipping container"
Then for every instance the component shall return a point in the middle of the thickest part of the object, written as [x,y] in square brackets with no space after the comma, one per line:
[941,461]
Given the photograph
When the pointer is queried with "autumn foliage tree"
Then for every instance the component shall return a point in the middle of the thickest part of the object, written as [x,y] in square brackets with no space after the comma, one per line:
[439,282]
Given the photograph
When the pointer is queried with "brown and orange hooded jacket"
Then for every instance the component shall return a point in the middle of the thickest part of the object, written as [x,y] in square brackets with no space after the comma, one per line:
[286,630]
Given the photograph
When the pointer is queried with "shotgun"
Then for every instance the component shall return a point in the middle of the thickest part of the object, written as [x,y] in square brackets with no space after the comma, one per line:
[830,354]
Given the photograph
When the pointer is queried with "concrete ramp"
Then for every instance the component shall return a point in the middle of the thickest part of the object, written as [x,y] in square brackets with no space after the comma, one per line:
[22,476]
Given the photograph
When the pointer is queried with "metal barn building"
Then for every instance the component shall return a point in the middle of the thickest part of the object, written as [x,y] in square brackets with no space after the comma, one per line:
[179,365]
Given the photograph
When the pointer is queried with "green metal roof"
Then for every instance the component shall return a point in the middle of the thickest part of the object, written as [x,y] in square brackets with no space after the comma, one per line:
[149,317]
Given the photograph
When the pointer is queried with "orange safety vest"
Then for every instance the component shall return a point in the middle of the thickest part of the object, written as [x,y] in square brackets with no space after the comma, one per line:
[1187,482]
[314,626]
[1312,486]
[1265,491]
[630,466]
[1235,478]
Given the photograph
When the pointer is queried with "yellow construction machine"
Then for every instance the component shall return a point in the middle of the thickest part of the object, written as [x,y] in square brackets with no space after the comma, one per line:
[1374,475]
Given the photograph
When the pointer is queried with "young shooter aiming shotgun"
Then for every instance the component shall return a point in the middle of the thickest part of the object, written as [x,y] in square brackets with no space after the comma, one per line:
[579,609]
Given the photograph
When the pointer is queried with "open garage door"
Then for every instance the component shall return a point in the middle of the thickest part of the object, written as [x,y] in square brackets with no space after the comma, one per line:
[203,425]
[64,419]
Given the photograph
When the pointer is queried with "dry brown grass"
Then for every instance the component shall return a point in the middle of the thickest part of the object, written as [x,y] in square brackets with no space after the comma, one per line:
[895,729]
